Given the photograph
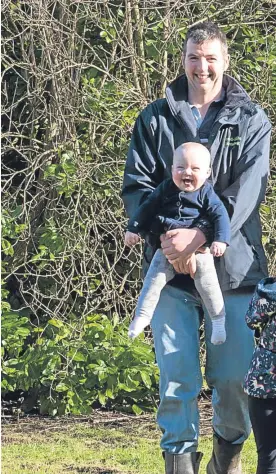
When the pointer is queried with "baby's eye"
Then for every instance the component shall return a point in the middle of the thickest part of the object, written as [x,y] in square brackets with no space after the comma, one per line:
[195,169]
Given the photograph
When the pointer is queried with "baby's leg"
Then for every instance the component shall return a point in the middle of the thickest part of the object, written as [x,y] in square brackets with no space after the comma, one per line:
[159,273]
[207,284]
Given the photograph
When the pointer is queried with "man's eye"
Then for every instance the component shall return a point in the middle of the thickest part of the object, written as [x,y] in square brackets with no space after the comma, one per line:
[195,169]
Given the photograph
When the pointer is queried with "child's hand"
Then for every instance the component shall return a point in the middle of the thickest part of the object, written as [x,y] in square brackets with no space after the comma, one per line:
[131,239]
[218,248]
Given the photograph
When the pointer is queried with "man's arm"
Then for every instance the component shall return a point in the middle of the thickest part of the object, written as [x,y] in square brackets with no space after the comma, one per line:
[250,173]
[142,171]
[216,213]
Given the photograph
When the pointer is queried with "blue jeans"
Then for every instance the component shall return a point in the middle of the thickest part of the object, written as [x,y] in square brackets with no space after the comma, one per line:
[175,327]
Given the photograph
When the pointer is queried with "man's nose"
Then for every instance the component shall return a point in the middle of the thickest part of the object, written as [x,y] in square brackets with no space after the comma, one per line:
[203,64]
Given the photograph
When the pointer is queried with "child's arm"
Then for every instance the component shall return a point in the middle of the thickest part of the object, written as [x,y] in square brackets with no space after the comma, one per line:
[216,212]
[218,248]
[143,218]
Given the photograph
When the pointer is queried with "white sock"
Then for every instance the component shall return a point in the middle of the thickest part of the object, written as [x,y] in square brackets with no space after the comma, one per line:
[137,326]
[218,331]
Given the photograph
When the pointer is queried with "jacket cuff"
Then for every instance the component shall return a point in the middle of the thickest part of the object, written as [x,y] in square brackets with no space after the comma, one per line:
[133,227]
[207,230]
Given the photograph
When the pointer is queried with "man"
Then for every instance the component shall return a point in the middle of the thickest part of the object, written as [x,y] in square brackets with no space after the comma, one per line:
[204,105]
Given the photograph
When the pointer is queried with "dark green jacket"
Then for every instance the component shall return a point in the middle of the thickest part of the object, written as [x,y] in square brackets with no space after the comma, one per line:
[239,146]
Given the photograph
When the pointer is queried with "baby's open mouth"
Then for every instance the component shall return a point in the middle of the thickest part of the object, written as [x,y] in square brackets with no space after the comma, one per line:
[187,181]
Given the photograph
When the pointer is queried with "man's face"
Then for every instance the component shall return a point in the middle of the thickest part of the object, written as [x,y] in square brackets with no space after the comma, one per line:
[204,65]
[190,169]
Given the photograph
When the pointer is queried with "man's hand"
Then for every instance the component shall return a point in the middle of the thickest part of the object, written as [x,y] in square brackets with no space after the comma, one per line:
[131,239]
[181,243]
[186,265]
[218,248]
[179,246]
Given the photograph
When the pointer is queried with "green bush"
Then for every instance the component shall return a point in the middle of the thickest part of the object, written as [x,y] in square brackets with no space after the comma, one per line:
[71,367]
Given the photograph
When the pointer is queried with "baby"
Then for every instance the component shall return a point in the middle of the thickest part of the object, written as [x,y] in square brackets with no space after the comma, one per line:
[179,203]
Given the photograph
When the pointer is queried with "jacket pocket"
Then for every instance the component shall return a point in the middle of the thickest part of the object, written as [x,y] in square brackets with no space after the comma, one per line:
[240,260]
[252,232]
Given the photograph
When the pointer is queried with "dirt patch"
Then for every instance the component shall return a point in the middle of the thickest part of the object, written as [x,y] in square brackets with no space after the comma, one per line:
[16,429]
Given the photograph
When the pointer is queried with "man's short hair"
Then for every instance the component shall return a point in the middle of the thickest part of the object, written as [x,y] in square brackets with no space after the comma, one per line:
[205,31]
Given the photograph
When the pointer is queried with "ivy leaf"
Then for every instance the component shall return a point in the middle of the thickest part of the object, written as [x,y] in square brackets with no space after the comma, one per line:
[56,323]
[61,387]
[102,398]
[23,332]
[77,356]
[137,410]
[146,379]
[7,247]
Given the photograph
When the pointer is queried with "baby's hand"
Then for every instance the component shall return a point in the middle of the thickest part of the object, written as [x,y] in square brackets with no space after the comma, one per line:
[131,239]
[218,248]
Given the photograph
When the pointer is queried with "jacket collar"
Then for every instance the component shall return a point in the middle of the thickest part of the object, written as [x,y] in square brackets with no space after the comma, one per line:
[177,98]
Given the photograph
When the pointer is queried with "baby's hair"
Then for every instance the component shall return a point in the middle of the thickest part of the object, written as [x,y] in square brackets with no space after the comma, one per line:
[185,147]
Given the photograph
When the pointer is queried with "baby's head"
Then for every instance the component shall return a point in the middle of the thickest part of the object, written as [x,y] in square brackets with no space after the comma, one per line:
[191,166]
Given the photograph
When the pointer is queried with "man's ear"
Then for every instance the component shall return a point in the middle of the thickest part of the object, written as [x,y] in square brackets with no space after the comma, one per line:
[226,61]
[209,172]
[183,60]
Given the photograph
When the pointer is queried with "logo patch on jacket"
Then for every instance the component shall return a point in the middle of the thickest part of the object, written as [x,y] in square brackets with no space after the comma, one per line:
[233,141]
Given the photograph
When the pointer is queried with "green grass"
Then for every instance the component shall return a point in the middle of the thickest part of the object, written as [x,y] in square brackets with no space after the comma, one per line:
[46,447]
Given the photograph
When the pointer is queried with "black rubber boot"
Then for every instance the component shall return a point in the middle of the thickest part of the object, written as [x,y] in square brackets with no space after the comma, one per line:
[226,457]
[187,463]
